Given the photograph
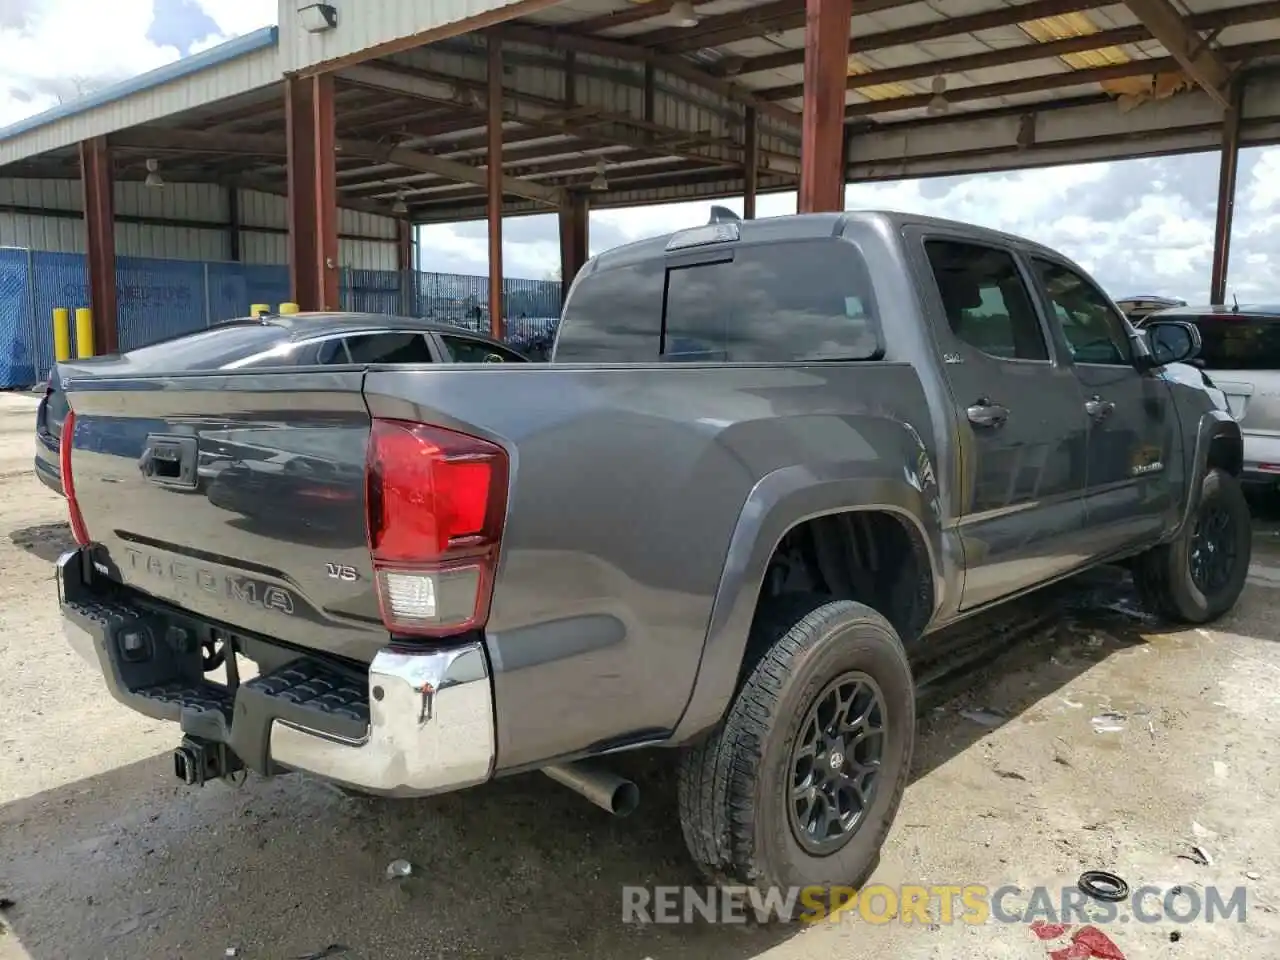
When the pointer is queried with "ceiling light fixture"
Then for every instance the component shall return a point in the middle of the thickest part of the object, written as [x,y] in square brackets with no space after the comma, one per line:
[683,13]
[400,208]
[600,181]
[153,173]
[938,103]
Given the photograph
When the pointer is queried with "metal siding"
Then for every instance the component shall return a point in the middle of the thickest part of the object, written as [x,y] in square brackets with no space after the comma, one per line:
[263,247]
[173,201]
[220,81]
[365,25]
[170,243]
[41,233]
[263,210]
[367,254]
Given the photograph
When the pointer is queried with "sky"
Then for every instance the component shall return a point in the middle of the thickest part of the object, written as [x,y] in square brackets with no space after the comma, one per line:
[1140,227]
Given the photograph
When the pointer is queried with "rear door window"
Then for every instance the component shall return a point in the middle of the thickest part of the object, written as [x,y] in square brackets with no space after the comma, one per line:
[1238,342]
[782,302]
[985,301]
[388,348]
[468,350]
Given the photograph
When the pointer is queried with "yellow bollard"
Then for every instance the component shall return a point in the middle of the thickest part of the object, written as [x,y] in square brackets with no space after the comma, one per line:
[84,332]
[61,334]
[286,308]
[258,309]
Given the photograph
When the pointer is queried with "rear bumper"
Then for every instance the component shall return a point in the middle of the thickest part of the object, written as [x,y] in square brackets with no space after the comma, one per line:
[1261,458]
[48,469]
[417,723]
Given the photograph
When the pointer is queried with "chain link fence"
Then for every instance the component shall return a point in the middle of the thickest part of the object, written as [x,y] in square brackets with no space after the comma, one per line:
[165,298]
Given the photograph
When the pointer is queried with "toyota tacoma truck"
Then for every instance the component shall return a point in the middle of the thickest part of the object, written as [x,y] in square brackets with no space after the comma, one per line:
[767,463]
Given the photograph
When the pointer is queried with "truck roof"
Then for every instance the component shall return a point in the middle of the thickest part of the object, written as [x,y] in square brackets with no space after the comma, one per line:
[800,226]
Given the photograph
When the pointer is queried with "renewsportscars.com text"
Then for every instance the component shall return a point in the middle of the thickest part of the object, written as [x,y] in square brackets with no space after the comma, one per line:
[972,904]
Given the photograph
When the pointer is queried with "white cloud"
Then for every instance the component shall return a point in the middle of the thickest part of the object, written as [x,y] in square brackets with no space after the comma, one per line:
[55,50]
[235,17]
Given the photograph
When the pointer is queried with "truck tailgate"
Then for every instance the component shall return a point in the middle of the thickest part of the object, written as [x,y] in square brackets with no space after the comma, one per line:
[238,497]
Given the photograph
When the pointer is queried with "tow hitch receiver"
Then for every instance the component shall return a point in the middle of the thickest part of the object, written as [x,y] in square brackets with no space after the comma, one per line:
[198,761]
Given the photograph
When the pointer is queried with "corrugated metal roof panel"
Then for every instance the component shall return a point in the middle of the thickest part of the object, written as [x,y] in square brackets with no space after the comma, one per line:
[1048,29]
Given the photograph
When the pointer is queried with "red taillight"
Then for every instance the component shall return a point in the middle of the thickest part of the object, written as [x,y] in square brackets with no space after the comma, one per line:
[436,502]
[78,529]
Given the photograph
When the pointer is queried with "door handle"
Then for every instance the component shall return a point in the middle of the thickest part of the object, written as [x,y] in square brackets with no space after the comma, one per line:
[1098,408]
[984,413]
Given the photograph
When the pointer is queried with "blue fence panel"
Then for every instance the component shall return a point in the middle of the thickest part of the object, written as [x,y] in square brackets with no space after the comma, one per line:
[165,298]
[157,299]
[18,359]
[235,287]
[58,280]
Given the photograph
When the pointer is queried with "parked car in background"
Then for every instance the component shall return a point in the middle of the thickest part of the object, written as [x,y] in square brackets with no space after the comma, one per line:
[302,339]
[1137,307]
[1240,354]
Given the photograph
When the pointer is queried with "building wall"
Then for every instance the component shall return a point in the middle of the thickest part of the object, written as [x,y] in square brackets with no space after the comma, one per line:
[45,215]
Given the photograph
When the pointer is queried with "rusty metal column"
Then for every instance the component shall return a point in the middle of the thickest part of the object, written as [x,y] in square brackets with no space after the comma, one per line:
[574,240]
[311,130]
[100,240]
[750,162]
[826,67]
[406,267]
[497,315]
[1226,195]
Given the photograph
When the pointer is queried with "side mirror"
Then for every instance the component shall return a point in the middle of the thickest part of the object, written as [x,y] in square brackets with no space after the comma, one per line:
[1171,341]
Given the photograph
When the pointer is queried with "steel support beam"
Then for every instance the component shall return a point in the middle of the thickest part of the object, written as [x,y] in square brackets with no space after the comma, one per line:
[406,267]
[497,315]
[311,132]
[100,241]
[1226,194]
[750,163]
[574,239]
[826,61]
[1197,58]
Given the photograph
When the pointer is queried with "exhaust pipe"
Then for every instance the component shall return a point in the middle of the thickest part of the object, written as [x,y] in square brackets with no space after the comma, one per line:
[606,790]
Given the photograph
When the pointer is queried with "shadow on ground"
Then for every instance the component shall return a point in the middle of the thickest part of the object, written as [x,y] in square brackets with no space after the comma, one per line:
[48,541]
[131,863]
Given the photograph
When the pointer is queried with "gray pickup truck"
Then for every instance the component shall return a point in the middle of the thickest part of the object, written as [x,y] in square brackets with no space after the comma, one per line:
[768,462]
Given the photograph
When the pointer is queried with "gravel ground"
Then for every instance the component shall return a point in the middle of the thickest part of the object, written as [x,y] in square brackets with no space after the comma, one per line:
[104,854]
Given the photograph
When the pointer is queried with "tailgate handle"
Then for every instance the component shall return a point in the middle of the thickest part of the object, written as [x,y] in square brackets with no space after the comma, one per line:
[170,461]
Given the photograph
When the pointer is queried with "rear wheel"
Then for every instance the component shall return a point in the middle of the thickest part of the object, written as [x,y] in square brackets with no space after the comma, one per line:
[1199,576]
[800,783]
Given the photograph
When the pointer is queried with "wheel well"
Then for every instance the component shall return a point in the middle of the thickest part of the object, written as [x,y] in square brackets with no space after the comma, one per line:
[1226,452]
[870,556]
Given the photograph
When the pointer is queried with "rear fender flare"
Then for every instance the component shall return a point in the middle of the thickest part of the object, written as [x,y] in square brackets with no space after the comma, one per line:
[780,501]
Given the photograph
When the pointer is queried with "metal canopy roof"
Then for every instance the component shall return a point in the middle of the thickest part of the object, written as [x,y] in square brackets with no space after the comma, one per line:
[641,102]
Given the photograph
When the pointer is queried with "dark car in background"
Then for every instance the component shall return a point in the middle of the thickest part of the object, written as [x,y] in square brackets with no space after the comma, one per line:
[1143,305]
[302,339]
[1240,354]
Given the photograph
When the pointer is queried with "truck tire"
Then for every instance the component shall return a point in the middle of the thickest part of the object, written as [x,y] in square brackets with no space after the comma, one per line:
[744,816]
[1199,576]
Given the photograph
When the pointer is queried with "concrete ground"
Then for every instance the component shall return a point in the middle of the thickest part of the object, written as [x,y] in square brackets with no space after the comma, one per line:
[1102,742]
